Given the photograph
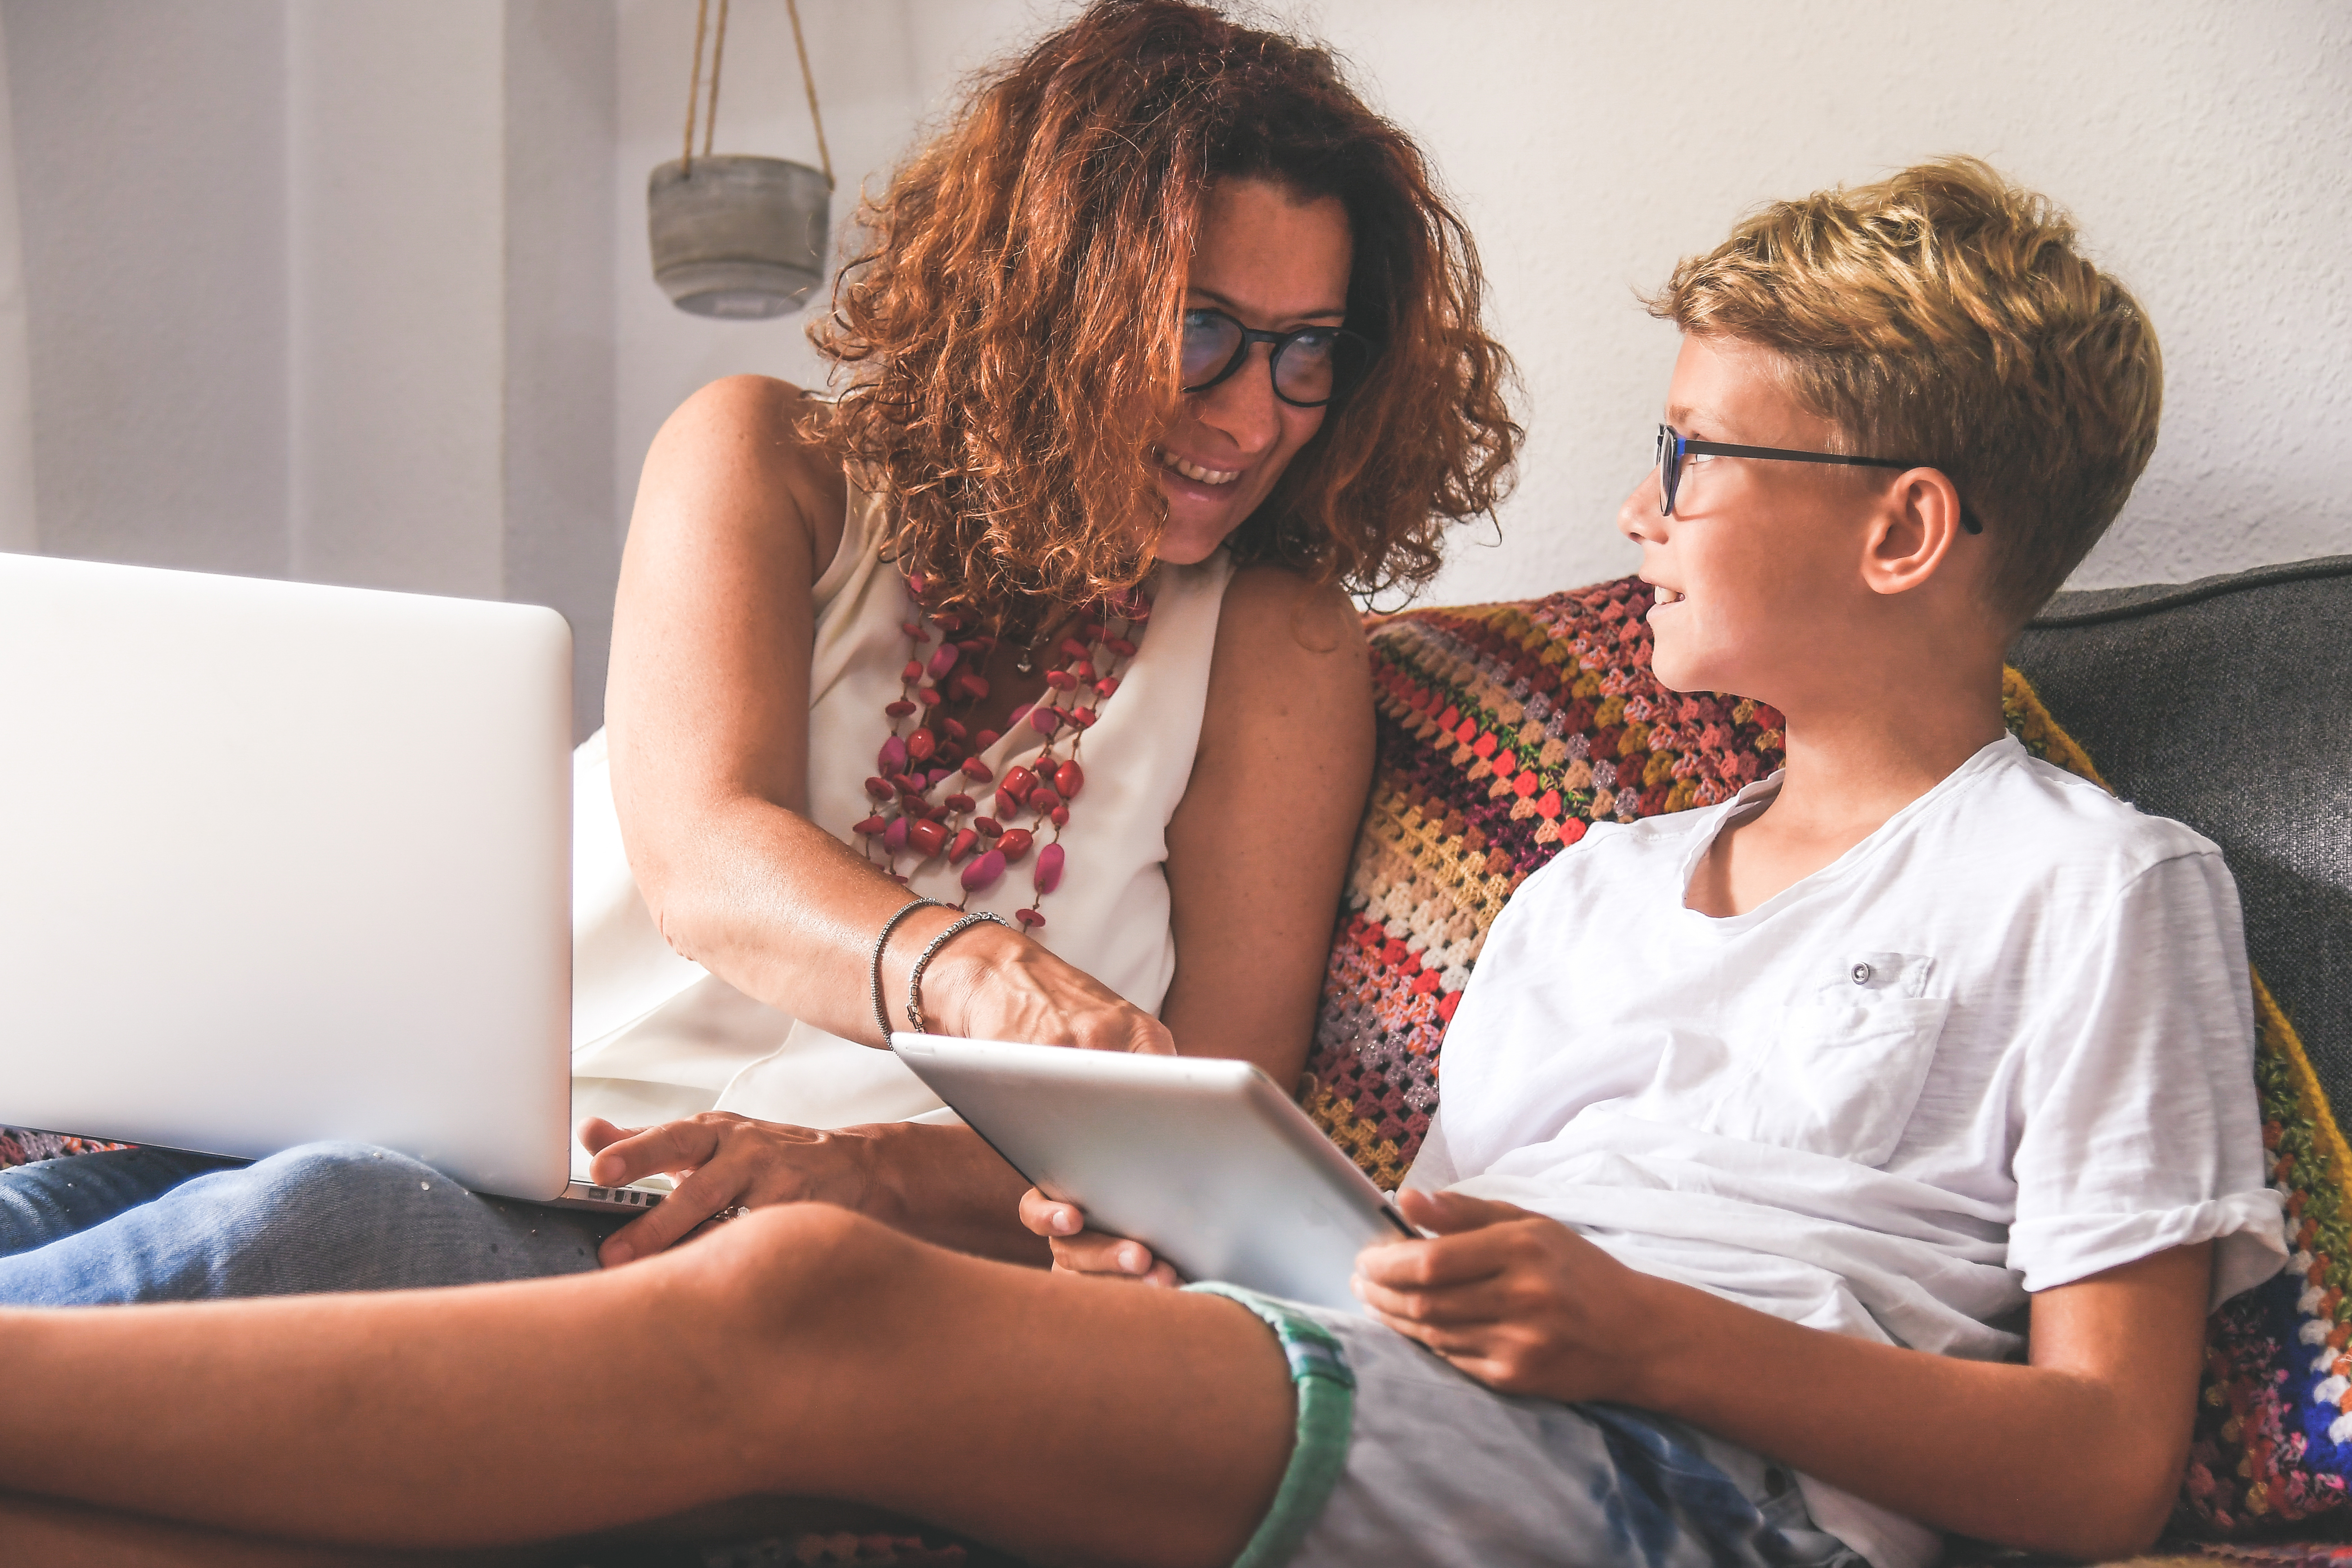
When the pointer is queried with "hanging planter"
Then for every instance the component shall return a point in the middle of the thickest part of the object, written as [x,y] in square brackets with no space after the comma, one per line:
[736,236]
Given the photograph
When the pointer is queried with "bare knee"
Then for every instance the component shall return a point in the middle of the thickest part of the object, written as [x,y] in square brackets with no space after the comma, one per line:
[797,1268]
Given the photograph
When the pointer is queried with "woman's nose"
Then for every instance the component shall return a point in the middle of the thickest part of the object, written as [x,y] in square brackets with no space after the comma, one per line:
[1243,404]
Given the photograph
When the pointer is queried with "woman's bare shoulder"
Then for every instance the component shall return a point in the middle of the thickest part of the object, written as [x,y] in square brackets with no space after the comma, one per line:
[1289,649]
[743,446]
[1274,613]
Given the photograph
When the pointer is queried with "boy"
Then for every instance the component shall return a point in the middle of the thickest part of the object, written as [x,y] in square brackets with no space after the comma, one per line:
[1768,1129]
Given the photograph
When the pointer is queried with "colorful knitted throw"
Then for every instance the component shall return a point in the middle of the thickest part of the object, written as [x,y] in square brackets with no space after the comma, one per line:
[19,1146]
[1504,730]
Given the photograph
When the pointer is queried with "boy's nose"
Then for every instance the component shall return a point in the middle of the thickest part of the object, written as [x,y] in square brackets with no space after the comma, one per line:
[1639,519]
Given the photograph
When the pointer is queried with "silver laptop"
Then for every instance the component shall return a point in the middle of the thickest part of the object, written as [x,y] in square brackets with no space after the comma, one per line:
[281,863]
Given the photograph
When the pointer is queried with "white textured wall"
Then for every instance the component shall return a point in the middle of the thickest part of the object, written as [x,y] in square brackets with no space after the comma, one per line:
[322,288]
[2202,144]
[357,289]
[882,67]
[18,526]
[396,244]
[561,546]
[151,164]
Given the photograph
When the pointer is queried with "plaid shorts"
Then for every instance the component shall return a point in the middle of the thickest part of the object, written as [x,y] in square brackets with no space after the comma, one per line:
[1401,1458]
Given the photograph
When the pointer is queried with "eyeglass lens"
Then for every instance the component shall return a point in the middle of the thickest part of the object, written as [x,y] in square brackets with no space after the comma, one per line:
[1311,366]
[1669,468]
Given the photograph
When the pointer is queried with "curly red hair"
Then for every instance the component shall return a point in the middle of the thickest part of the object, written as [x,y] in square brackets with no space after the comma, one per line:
[1024,281]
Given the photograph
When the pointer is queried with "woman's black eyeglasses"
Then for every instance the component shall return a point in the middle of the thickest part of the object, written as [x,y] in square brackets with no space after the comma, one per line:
[1311,366]
[1673,446]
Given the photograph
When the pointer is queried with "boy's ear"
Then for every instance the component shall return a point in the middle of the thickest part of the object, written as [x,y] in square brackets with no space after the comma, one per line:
[1916,526]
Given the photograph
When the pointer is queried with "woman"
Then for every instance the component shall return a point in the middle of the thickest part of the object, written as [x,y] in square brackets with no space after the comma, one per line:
[1165,342]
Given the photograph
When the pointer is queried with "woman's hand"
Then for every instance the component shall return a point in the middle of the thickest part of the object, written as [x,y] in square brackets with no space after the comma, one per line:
[991,984]
[943,1184]
[721,1161]
[1077,1250]
[1520,1303]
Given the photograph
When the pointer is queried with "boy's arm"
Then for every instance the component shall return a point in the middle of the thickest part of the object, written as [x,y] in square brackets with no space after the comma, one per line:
[2079,1452]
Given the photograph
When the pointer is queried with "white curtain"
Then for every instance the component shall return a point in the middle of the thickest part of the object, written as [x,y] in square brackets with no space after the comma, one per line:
[17,530]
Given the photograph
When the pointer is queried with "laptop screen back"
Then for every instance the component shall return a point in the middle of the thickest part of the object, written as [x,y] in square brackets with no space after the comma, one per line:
[281,863]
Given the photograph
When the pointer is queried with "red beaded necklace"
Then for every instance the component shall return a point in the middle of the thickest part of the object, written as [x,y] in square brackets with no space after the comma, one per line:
[909,819]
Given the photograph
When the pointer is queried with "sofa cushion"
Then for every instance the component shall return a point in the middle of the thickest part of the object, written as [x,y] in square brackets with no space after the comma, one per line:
[2227,704]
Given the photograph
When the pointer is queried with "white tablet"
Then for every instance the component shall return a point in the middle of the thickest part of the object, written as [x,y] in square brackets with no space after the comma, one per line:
[1204,1160]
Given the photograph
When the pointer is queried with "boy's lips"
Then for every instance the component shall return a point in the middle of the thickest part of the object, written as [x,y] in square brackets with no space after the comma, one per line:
[1662,597]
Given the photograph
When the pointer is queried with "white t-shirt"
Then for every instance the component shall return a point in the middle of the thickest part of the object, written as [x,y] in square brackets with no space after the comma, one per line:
[2002,1044]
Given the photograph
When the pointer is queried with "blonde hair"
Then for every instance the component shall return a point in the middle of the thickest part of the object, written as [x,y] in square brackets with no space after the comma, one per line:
[1943,316]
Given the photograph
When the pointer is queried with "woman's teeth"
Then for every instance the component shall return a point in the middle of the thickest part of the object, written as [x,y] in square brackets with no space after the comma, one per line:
[1194,471]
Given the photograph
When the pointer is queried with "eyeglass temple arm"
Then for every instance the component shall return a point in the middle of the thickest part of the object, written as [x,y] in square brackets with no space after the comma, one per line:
[1726,449]
[1969,519]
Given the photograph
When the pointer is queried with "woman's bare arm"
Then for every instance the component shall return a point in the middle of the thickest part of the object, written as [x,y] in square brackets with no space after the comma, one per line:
[1257,852]
[708,714]
[706,709]
[707,723]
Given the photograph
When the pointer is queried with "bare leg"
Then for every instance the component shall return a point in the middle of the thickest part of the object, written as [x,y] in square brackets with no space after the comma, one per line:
[68,1535]
[74,1535]
[802,1351]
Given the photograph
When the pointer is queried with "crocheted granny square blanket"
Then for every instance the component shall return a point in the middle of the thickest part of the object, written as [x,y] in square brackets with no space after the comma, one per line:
[22,1146]
[1505,732]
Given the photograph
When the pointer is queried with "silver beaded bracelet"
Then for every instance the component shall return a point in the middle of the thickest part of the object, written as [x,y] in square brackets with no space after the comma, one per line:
[881,1014]
[915,980]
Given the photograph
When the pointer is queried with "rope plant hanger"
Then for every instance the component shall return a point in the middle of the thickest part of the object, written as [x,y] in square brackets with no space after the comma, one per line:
[734,235]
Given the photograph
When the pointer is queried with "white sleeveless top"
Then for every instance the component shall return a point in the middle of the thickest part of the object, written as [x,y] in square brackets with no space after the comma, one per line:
[655,1036]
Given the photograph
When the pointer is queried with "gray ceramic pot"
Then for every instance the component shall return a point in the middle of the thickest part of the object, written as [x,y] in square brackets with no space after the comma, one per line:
[738,236]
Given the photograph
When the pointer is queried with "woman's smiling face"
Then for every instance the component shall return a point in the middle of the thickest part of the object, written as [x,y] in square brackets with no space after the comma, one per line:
[1273,263]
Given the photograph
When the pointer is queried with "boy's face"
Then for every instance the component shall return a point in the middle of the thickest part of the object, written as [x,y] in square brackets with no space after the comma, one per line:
[1751,568]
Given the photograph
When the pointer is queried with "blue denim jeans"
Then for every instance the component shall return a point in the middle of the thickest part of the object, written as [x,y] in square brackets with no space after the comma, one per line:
[153,1225]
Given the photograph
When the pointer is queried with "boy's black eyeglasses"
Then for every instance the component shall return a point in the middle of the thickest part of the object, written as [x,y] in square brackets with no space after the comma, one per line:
[1311,366]
[1673,446]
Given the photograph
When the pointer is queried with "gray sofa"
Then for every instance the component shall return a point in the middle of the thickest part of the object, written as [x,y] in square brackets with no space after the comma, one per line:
[2227,703]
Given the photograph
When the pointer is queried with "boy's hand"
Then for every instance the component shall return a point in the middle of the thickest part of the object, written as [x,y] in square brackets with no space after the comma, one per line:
[1077,1250]
[1520,1303]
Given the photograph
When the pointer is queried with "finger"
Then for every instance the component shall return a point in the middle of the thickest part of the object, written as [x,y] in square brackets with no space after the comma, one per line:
[695,1199]
[674,1146]
[1095,1252]
[1457,1307]
[1050,1216]
[1449,1214]
[1436,1262]
[596,1133]
[1152,1039]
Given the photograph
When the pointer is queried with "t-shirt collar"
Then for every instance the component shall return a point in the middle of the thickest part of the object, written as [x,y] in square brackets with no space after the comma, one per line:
[2007,751]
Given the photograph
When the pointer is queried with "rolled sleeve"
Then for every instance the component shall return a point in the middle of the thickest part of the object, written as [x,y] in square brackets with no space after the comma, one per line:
[2142,1129]
[2245,1226]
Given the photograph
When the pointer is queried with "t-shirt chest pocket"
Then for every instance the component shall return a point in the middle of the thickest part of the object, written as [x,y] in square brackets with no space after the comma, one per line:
[1839,1072]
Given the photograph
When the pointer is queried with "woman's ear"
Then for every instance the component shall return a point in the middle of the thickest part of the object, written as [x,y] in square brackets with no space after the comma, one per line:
[1916,528]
